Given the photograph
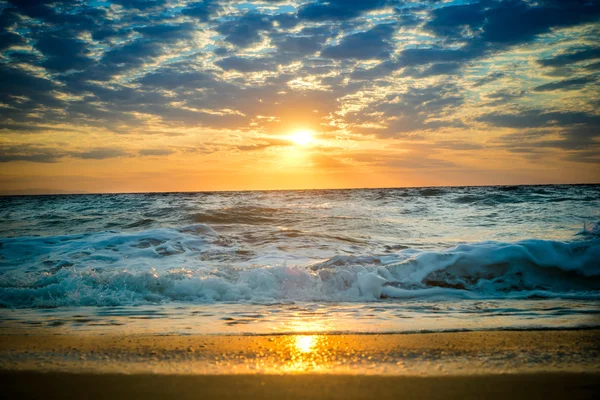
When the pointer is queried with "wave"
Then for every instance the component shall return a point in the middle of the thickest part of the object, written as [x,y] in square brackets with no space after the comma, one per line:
[593,228]
[250,215]
[485,270]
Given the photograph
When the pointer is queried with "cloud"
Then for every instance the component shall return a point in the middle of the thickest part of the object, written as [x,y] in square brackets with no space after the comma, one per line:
[337,9]
[374,43]
[28,128]
[174,77]
[417,109]
[504,96]
[155,152]
[453,19]
[167,32]
[572,57]
[537,118]
[63,53]
[593,67]
[307,42]
[353,69]
[245,30]
[140,4]
[433,70]
[242,64]
[31,153]
[47,154]
[24,93]
[100,153]
[202,10]
[264,143]
[494,76]
[513,22]
[10,39]
[566,84]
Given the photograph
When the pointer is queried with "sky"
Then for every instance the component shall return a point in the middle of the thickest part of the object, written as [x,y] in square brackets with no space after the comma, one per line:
[175,95]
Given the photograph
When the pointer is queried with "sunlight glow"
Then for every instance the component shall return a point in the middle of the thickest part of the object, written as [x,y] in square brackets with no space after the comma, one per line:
[302,137]
[304,344]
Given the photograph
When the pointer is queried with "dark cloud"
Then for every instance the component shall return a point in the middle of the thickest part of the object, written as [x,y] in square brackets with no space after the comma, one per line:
[434,69]
[140,4]
[567,84]
[299,46]
[449,59]
[107,33]
[491,26]
[167,32]
[412,57]
[100,153]
[245,30]
[42,154]
[10,39]
[242,64]
[540,118]
[593,67]
[8,18]
[513,22]
[23,93]
[28,128]
[590,156]
[504,96]
[570,58]
[489,78]
[66,15]
[202,10]
[63,52]
[173,78]
[121,59]
[155,152]
[26,152]
[337,9]
[452,20]
[374,43]
[575,140]
[417,109]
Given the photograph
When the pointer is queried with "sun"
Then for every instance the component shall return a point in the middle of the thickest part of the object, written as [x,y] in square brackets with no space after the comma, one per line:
[302,137]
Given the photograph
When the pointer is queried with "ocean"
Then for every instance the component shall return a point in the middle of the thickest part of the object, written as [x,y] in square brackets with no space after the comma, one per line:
[269,262]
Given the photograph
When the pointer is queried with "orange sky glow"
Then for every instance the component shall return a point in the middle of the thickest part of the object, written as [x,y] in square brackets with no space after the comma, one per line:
[233,95]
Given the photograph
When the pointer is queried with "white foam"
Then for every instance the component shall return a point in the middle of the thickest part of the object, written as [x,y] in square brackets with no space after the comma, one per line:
[196,264]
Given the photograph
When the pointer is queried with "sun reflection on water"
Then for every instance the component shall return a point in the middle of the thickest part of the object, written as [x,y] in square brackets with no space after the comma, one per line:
[305,344]
[305,353]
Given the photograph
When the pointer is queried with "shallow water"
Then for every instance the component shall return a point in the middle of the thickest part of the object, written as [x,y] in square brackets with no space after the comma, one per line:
[387,258]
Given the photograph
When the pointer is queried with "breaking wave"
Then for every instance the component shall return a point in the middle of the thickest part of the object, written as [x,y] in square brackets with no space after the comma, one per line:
[178,265]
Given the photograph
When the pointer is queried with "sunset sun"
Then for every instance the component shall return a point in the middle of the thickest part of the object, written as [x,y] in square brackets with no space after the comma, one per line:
[302,137]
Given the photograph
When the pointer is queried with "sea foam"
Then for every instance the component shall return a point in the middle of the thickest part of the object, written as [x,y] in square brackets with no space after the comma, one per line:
[171,265]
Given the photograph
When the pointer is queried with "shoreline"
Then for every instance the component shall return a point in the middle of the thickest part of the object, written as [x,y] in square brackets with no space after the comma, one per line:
[463,365]
[415,354]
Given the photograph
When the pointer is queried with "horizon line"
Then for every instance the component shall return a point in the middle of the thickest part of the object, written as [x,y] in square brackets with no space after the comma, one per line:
[67,193]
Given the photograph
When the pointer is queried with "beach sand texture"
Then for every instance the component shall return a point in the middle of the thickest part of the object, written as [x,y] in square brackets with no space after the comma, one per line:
[500,364]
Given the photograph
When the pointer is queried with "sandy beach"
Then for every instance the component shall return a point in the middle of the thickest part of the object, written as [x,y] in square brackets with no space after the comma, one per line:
[496,364]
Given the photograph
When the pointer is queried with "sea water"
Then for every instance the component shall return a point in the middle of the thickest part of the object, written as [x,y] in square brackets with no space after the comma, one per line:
[360,260]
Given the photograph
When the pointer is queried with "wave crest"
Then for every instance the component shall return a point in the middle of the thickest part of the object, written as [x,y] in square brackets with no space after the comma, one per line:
[532,268]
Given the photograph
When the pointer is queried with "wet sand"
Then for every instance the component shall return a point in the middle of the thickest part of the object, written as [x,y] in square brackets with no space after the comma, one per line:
[501,364]
[118,386]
